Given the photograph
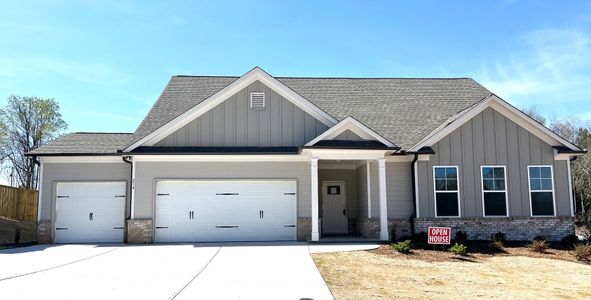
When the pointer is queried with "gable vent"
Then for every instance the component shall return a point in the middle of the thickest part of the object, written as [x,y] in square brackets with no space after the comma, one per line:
[257,100]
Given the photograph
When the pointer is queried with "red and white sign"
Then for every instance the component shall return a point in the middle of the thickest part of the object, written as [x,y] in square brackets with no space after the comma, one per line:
[439,235]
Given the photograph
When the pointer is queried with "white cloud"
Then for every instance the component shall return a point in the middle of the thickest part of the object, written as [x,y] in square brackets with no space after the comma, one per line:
[35,66]
[554,63]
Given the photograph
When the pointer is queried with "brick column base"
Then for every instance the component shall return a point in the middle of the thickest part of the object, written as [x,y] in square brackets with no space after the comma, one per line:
[369,228]
[44,232]
[139,231]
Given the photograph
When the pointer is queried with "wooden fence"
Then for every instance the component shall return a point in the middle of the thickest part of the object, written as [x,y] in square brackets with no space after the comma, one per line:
[18,204]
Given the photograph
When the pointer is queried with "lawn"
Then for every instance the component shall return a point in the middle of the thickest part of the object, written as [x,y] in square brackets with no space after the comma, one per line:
[514,273]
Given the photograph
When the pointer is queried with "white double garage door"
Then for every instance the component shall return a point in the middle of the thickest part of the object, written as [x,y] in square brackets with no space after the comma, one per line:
[185,211]
[225,210]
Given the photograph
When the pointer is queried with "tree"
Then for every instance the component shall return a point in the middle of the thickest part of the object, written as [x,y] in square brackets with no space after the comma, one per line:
[27,123]
[534,113]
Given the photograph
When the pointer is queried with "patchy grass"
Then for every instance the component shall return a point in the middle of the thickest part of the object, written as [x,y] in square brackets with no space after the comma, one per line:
[514,272]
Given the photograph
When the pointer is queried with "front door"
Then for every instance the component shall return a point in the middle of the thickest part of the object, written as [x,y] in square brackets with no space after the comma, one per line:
[334,208]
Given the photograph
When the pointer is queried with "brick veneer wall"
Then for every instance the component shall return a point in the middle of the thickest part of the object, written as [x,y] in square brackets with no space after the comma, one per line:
[515,228]
[139,231]
[44,232]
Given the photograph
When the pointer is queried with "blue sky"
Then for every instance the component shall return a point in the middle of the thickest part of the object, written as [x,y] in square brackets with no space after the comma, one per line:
[106,62]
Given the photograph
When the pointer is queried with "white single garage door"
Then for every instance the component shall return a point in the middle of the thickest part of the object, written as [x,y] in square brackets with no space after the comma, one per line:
[225,210]
[90,212]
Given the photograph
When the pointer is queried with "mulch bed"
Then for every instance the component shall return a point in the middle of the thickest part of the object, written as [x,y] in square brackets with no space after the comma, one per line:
[478,251]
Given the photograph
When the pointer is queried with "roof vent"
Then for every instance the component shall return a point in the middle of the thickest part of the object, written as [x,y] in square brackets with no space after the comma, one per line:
[257,100]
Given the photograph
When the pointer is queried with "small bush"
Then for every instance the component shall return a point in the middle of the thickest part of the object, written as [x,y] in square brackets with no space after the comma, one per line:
[582,252]
[403,247]
[540,238]
[459,249]
[499,237]
[461,237]
[570,239]
[497,245]
[419,239]
[539,246]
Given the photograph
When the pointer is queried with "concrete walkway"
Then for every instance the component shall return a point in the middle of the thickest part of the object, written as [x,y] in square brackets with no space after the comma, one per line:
[207,271]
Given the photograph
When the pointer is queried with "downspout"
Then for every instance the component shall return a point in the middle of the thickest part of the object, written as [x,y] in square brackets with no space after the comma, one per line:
[414,193]
[127,159]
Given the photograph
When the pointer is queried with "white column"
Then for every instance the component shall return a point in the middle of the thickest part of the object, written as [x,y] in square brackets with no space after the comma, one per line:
[40,191]
[368,174]
[570,189]
[132,200]
[314,198]
[383,202]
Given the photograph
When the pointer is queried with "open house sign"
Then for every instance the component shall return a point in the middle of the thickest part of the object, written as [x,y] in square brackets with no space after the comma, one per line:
[439,235]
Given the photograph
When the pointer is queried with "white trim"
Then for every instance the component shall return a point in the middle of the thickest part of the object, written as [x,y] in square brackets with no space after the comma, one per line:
[314,191]
[384,234]
[220,158]
[570,189]
[368,181]
[81,159]
[399,158]
[337,166]
[346,154]
[531,211]
[40,195]
[132,183]
[416,191]
[349,123]
[225,93]
[506,191]
[503,108]
[435,191]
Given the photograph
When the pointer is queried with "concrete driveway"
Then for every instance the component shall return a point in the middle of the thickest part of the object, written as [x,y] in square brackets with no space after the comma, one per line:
[205,271]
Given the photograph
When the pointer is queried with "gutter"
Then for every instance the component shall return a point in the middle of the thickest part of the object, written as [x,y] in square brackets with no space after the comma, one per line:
[414,193]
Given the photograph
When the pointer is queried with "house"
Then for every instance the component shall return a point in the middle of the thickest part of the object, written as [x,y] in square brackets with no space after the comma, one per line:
[259,157]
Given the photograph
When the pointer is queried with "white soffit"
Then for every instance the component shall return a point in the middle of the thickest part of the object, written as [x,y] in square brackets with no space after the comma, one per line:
[225,93]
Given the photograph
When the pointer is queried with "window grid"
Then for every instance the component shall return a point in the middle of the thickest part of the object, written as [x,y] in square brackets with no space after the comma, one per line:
[544,176]
[443,177]
[497,175]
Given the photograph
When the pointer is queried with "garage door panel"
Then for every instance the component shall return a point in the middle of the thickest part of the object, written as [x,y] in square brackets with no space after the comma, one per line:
[90,212]
[226,210]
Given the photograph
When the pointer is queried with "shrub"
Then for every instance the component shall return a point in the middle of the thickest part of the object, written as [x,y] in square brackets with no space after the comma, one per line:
[459,249]
[461,237]
[582,252]
[419,239]
[539,246]
[570,239]
[403,247]
[499,237]
[540,238]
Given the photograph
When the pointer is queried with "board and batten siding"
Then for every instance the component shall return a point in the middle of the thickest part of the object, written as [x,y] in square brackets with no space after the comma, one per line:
[85,172]
[232,123]
[147,173]
[398,190]
[492,139]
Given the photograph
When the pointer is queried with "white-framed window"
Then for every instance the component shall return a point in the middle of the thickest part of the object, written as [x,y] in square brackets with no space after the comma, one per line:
[446,186]
[257,100]
[494,191]
[541,190]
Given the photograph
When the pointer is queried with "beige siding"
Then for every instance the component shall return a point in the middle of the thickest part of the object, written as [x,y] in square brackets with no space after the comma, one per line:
[348,135]
[362,191]
[492,139]
[399,190]
[148,172]
[233,123]
[60,172]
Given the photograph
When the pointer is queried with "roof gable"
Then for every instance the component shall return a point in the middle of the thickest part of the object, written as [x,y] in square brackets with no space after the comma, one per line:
[350,124]
[504,108]
[218,97]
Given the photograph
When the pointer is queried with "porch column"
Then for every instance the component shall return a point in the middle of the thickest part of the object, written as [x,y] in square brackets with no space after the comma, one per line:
[383,201]
[314,198]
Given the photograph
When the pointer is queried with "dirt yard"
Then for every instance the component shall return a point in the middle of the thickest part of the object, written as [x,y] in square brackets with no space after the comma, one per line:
[514,273]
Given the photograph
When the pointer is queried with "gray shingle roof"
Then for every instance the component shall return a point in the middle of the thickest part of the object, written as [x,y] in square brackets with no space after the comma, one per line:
[85,143]
[403,110]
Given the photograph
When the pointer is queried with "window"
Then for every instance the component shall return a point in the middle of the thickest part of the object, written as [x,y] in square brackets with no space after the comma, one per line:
[494,191]
[334,190]
[541,190]
[257,100]
[447,198]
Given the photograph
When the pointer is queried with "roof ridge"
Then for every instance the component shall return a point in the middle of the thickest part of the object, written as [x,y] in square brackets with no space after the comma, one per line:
[96,132]
[331,77]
